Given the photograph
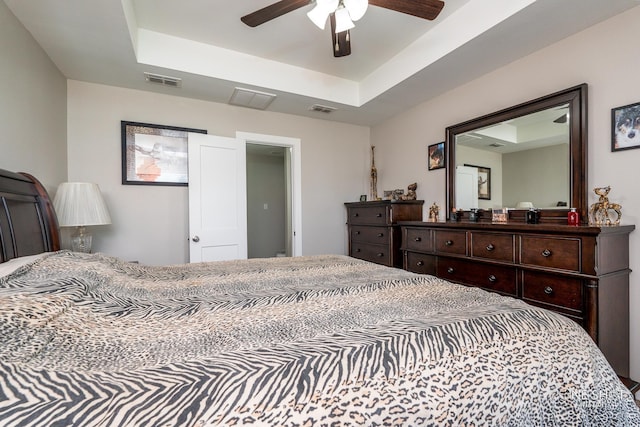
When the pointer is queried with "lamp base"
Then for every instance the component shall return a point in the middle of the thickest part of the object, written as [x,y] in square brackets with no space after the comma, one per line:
[81,241]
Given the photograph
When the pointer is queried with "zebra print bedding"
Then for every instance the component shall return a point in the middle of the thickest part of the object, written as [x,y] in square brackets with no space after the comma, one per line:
[90,340]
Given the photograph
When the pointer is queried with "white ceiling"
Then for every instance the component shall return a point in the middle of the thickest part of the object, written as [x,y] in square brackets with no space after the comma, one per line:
[397,60]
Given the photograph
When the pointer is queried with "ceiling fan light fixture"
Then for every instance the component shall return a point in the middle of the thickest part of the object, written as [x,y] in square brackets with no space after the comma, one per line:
[319,14]
[343,20]
[356,8]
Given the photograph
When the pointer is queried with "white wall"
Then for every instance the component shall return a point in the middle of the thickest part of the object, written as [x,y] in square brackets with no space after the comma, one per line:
[32,106]
[600,56]
[524,173]
[150,222]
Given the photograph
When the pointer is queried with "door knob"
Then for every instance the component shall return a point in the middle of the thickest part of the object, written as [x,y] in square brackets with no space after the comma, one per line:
[195,239]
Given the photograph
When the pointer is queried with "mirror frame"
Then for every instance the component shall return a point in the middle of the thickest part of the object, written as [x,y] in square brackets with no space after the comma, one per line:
[576,97]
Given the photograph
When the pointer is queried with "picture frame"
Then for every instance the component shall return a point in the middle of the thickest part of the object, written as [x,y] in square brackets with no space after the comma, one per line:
[155,154]
[484,181]
[363,197]
[625,127]
[436,156]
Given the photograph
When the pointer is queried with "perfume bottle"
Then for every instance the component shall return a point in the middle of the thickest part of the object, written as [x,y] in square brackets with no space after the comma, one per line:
[572,217]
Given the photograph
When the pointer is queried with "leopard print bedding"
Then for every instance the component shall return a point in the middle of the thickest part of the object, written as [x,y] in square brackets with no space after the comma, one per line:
[91,340]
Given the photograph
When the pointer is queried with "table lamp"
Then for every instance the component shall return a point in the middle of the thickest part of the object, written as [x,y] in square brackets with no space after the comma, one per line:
[80,204]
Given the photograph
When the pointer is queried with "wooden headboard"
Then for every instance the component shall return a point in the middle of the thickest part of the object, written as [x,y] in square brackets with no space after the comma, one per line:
[28,223]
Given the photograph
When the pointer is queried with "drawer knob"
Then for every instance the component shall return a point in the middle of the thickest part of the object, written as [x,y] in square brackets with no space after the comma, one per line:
[357,233]
[546,253]
[358,250]
[420,263]
[356,214]
[548,290]
[450,270]
[378,215]
[449,242]
[418,239]
[492,278]
[380,234]
[380,254]
[490,247]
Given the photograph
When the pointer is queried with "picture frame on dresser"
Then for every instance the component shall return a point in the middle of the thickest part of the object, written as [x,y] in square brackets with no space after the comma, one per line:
[155,154]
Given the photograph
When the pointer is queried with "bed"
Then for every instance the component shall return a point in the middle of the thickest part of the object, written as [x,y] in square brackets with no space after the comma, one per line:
[92,340]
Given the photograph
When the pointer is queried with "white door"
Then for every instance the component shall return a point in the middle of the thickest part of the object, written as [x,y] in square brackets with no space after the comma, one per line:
[466,187]
[217,198]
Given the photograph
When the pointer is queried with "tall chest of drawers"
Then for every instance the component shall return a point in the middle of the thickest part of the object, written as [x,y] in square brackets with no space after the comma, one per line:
[581,272]
[373,231]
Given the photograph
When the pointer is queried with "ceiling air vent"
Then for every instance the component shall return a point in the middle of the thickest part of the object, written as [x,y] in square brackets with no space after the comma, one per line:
[322,108]
[163,80]
[251,98]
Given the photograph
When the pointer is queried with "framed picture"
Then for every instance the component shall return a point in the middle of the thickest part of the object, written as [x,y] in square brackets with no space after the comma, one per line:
[155,154]
[625,127]
[484,182]
[435,156]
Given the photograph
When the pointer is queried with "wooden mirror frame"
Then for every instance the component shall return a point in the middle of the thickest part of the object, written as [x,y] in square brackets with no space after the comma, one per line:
[576,97]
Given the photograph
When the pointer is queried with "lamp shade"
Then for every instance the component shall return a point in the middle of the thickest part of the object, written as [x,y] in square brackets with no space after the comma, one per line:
[319,14]
[343,20]
[80,204]
[356,8]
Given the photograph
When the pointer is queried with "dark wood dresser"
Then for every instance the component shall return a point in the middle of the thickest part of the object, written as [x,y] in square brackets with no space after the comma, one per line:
[373,233]
[581,272]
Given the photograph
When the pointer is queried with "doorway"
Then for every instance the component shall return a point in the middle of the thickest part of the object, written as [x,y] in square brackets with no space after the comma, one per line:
[267,209]
[274,205]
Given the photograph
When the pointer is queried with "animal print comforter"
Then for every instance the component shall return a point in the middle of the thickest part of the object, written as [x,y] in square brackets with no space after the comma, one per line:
[89,340]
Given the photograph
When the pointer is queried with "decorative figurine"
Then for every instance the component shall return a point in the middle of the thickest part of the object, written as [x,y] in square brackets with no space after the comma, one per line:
[599,211]
[374,176]
[434,212]
[397,194]
[411,192]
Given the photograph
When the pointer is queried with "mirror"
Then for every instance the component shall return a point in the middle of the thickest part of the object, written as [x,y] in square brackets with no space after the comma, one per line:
[530,155]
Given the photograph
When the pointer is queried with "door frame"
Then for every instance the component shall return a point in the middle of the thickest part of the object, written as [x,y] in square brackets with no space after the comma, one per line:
[294,144]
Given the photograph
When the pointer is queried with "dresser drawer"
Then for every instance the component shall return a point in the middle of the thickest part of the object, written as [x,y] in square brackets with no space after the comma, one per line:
[563,253]
[372,215]
[369,252]
[492,277]
[450,242]
[378,235]
[420,263]
[418,239]
[494,246]
[550,289]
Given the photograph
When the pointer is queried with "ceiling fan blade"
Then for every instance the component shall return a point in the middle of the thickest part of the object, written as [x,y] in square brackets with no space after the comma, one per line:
[426,9]
[341,42]
[273,11]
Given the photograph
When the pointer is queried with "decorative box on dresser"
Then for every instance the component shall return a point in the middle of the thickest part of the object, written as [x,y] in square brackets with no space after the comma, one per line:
[579,271]
[373,233]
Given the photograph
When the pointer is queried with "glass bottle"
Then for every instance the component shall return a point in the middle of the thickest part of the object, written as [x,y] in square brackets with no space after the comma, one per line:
[572,217]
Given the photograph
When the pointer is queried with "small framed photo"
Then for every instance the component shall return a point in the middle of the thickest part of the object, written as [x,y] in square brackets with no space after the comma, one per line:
[625,127]
[155,154]
[484,182]
[500,215]
[363,198]
[435,156]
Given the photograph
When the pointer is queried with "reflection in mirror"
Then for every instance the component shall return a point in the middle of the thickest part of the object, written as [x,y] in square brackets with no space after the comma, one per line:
[531,155]
[518,163]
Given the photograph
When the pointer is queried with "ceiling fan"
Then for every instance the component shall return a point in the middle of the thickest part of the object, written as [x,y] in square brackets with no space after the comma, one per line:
[341,14]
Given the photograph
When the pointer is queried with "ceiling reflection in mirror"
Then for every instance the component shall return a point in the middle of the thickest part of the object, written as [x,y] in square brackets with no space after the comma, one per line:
[518,163]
